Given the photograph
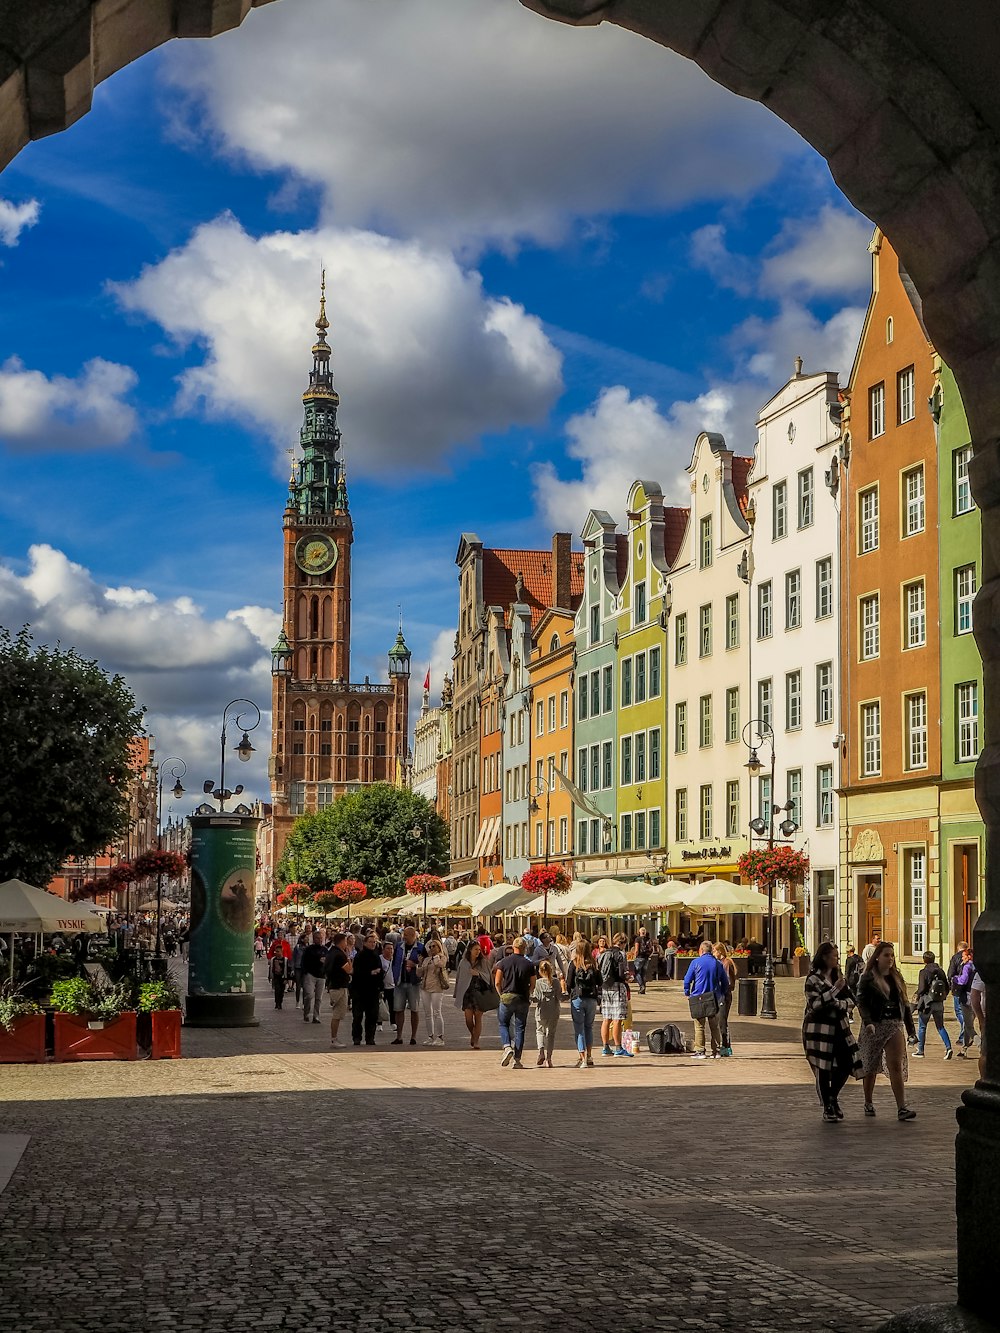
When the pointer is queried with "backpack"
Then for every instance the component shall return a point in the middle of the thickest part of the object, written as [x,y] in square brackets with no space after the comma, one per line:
[667,1040]
[938,988]
[612,972]
[587,984]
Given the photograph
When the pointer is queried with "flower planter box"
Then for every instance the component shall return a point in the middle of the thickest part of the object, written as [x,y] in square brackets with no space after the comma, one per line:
[800,966]
[166,1026]
[742,966]
[94,1039]
[26,1044]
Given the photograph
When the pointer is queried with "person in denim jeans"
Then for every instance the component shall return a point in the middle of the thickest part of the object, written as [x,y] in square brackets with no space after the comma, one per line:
[583,980]
[513,978]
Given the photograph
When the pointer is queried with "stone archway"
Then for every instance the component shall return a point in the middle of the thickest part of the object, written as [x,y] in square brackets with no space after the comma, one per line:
[900,97]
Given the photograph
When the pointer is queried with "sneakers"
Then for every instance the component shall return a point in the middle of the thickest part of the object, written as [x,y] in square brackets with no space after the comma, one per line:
[948,1053]
[918,1055]
[508,1055]
[518,1065]
[869,1109]
[607,1051]
[429,1041]
[340,1045]
[829,1115]
[541,1058]
[581,1063]
[699,1055]
[904,1113]
[623,1054]
[837,1110]
[439,1041]
[590,1064]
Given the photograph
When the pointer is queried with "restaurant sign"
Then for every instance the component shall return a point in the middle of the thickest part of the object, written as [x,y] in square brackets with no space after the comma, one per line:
[706,854]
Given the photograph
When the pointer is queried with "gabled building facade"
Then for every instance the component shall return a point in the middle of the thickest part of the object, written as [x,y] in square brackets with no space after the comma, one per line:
[517,745]
[493,688]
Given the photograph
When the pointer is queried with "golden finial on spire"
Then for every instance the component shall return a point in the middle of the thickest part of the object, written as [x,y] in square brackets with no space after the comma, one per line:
[322,323]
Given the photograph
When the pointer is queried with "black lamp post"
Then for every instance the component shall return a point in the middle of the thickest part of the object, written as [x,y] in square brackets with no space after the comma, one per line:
[170,768]
[755,734]
[244,749]
[418,833]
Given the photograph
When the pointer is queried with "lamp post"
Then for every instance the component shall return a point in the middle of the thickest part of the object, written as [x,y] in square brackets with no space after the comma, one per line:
[418,834]
[244,750]
[755,734]
[535,788]
[170,768]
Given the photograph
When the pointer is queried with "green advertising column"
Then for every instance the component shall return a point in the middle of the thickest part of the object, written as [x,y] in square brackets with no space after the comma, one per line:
[220,965]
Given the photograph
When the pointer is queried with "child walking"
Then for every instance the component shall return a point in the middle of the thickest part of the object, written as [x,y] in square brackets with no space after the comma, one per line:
[545,997]
[278,973]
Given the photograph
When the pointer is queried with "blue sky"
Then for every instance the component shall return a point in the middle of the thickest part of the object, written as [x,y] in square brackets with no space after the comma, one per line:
[554,256]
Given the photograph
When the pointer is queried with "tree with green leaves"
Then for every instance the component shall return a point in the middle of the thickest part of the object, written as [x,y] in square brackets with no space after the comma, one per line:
[367,835]
[66,730]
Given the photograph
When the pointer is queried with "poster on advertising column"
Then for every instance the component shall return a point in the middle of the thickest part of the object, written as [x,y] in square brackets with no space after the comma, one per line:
[223,861]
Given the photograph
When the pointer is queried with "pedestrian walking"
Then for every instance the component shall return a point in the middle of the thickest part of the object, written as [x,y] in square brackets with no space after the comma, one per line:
[297,951]
[955,965]
[670,958]
[962,989]
[706,986]
[827,1038]
[869,949]
[313,977]
[392,959]
[474,990]
[513,977]
[584,981]
[433,971]
[853,967]
[338,968]
[545,998]
[613,967]
[642,953]
[366,990]
[277,975]
[721,952]
[407,991]
[932,991]
[884,1009]
[977,1001]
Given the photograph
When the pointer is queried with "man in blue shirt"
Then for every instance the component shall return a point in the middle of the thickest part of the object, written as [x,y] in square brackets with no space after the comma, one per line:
[706,985]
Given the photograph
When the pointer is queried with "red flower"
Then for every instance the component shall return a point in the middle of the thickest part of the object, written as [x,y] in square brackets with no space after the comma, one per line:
[546,879]
[420,884]
[774,865]
[171,864]
[350,890]
[326,900]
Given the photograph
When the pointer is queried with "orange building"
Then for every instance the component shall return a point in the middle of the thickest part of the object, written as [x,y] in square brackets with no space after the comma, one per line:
[550,676]
[890,626]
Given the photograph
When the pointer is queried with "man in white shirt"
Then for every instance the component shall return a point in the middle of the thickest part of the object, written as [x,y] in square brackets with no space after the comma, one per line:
[869,949]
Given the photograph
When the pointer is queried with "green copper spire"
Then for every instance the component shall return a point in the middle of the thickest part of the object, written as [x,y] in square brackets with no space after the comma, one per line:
[320,470]
[399,656]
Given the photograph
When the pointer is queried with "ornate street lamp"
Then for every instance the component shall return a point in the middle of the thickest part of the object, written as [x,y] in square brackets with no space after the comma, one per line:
[170,768]
[244,749]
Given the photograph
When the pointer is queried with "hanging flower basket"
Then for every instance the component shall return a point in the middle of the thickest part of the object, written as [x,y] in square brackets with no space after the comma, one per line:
[326,900]
[171,864]
[120,876]
[349,890]
[546,879]
[774,865]
[421,884]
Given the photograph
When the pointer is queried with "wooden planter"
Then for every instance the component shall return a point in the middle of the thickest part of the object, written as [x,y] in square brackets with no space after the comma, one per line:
[742,966]
[92,1039]
[166,1026]
[26,1044]
[800,966]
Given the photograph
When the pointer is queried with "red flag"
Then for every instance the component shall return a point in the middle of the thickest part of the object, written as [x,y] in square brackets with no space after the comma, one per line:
[427,679]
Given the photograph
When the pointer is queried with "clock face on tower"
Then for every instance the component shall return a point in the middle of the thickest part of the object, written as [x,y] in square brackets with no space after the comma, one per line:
[315,553]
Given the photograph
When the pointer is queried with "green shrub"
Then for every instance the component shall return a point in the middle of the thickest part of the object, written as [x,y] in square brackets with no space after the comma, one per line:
[14,1005]
[158,995]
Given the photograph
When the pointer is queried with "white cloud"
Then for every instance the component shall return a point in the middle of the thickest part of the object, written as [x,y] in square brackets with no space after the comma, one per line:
[441,665]
[823,255]
[425,359]
[708,251]
[473,122]
[183,665]
[86,412]
[15,218]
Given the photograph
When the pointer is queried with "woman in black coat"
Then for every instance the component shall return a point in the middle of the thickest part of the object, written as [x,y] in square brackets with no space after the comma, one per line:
[826,1030]
[885,1011]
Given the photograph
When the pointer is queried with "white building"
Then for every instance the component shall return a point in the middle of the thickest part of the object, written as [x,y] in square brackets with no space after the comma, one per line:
[426,749]
[794,646]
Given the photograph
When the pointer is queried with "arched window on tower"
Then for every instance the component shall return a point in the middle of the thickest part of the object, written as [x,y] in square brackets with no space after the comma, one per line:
[313,617]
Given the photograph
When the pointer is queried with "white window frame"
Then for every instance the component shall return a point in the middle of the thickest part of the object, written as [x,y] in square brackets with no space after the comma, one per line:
[876,411]
[705,630]
[705,812]
[868,520]
[793,789]
[655,765]
[704,722]
[915,705]
[793,599]
[824,587]
[681,814]
[915,599]
[705,551]
[965,594]
[639,605]
[964,503]
[914,501]
[733,808]
[564,709]
[824,693]
[625,756]
[906,402]
[870,721]
[779,511]
[681,727]
[793,700]
[806,493]
[765,610]
[765,700]
[967,712]
[680,639]
[732,713]
[915,863]
[552,712]
[732,621]
[824,796]
[870,617]
[654,673]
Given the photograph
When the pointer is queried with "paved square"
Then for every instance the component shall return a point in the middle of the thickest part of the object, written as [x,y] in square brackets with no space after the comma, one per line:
[268,1182]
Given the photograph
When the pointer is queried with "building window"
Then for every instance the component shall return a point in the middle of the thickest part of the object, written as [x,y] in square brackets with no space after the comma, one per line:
[581,767]
[764,626]
[871,739]
[916,895]
[297,798]
[681,814]
[824,796]
[538,839]
[876,411]
[680,727]
[794,789]
[764,798]
[581,699]
[654,673]
[640,604]
[705,804]
[779,510]
[824,692]
[705,631]
[609,689]
[793,700]
[626,761]
[733,809]
[793,599]
[595,624]
[706,543]
[916,615]
[640,830]
[732,713]
[654,754]
[905,401]
[705,721]
[824,588]
[324,795]
[595,694]
[564,835]
[654,828]
[732,621]
[888,330]
[564,708]
[626,685]
[965,592]
[640,678]
[805,505]
[681,639]
[915,514]
[640,756]
[595,768]
[581,837]
[595,835]
[916,730]
[608,759]
[765,699]
[540,718]
[626,844]
[325,749]
[967,697]
[868,520]
[964,502]
[298,747]
[870,622]
[552,712]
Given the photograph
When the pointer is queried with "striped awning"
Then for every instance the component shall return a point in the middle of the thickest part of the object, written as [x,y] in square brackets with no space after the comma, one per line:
[489,835]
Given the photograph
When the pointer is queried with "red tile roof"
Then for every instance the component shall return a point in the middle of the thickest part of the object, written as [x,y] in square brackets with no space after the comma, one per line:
[741,470]
[500,571]
[675,521]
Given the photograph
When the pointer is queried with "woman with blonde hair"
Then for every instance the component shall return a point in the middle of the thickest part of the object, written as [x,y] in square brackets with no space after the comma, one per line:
[474,991]
[433,973]
[721,952]
[885,1010]
[583,980]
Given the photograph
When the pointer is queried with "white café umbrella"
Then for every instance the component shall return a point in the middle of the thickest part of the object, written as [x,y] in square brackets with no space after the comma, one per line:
[720,897]
[25,910]
[166,905]
[610,897]
[499,898]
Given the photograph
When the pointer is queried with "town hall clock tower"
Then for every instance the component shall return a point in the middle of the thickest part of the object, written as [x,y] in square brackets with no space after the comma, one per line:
[328,736]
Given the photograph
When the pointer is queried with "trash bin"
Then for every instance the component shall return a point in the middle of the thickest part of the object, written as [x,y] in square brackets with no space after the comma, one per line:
[747,998]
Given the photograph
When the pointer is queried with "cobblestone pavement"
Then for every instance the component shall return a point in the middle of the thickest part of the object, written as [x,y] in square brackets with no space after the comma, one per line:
[209,1194]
